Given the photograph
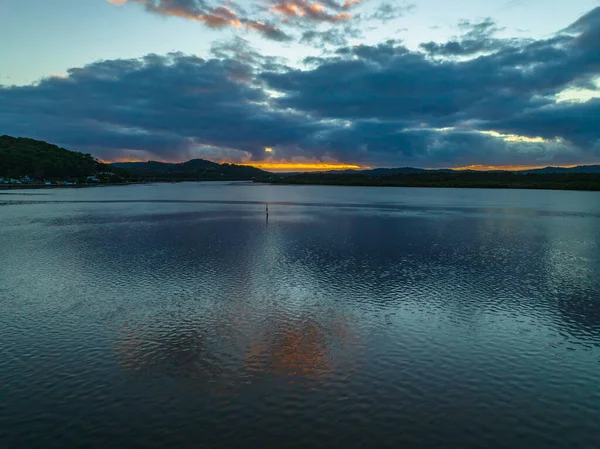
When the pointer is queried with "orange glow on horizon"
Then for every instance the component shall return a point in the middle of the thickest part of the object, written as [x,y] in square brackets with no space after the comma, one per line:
[303,166]
[331,166]
[263,165]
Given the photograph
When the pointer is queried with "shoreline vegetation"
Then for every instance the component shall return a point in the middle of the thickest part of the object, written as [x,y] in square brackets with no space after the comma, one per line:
[108,184]
[33,164]
[452,179]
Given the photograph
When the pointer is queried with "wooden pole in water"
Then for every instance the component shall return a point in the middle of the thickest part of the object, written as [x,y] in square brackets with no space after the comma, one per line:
[267,211]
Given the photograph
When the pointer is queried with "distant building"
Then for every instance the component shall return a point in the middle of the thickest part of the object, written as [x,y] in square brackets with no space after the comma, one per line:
[92,179]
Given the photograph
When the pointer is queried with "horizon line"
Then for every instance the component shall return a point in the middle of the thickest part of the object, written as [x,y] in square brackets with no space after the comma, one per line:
[318,166]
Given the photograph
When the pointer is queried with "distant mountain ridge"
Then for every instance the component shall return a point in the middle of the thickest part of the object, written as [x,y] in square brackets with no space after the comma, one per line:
[578,169]
[377,172]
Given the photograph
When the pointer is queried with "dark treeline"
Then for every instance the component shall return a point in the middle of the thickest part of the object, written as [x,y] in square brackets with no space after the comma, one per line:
[498,180]
[193,170]
[27,157]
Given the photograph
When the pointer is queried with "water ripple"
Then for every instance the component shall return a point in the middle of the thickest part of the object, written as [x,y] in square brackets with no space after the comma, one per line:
[340,322]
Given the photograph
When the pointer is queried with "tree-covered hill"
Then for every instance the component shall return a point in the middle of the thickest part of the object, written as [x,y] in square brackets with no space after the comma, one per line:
[194,169]
[27,157]
[40,160]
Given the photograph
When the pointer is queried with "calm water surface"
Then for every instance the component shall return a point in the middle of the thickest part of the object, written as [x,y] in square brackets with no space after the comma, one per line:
[176,316]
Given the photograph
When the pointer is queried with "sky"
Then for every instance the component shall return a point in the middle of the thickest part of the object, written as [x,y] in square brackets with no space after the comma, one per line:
[307,83]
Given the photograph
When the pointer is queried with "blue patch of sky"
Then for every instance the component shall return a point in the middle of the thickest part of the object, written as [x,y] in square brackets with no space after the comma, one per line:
[40,38]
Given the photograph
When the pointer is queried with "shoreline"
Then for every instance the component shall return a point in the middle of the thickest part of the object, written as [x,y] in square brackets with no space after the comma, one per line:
[8,187]
[60,186]
[84,186]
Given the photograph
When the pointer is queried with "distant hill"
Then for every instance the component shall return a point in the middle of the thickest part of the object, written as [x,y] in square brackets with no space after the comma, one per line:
[193,169]
[379,171]
[402,171]
[578,169]
[28,157]
[376,172]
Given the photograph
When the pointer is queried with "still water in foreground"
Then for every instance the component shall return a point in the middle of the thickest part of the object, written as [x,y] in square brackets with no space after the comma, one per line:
[177,316]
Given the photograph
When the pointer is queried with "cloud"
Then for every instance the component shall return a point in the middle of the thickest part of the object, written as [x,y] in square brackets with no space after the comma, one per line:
[163,105]
[387,81]
[324,11]
[386,12]
[211,16]
[577,122]
[240,50]
[267,30]
[476,38]
[295,13]
[199,10]
[378,105]
[336,37]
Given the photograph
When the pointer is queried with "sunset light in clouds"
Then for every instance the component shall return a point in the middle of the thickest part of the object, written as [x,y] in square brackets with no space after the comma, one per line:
[337,224]
[294,85]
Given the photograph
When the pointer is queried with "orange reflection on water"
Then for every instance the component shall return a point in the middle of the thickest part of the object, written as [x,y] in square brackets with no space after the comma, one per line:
[296,351]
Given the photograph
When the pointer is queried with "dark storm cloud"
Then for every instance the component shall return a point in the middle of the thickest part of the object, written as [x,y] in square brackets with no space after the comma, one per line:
[579,122]
[393,143]
[389,82]
[164,105]
[376,105]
